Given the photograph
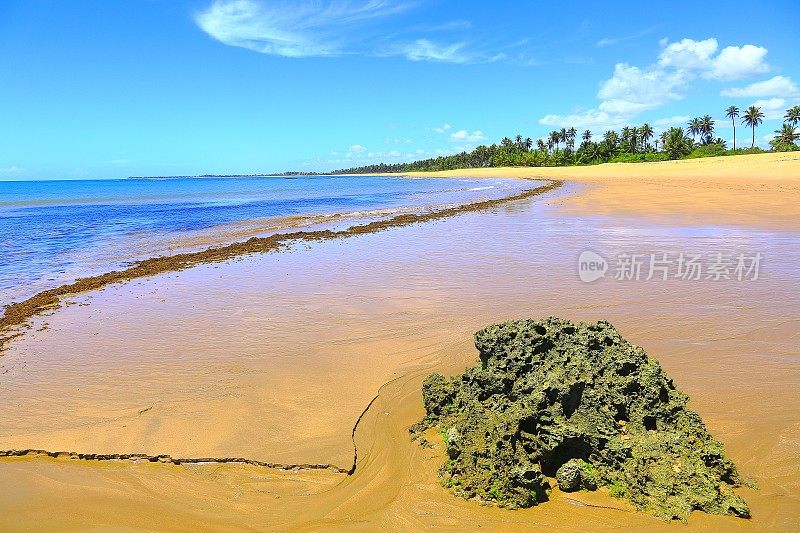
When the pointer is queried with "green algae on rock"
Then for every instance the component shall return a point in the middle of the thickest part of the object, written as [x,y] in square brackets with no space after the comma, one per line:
[575,401]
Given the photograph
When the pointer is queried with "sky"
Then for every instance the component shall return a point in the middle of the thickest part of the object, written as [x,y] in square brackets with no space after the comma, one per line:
[161,87]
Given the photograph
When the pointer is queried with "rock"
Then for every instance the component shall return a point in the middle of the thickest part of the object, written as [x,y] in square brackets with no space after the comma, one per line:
[576,474]
[578,402]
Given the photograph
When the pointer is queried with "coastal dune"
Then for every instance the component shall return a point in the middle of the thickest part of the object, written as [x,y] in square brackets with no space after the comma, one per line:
[276,356]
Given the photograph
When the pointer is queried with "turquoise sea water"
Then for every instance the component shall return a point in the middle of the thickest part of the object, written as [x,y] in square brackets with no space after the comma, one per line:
[52,232]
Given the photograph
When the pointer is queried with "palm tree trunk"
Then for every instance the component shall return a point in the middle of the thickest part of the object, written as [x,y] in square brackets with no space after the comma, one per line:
[754,137]
[733,122]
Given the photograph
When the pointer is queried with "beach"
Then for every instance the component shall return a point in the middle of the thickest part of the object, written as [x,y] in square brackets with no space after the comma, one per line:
[311,358]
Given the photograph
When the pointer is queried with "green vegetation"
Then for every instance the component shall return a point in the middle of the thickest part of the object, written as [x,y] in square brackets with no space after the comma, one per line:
[577,402]
[629,145]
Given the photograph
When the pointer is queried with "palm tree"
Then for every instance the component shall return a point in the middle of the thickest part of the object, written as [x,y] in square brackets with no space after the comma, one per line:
[677,144]
[733,113]
[563,136]
[792,115]
[528,144]
[663,139]
[787,134]
[634,139]
[707,129]
[518,141]
[753,117]
[571,133]
[611,138]
[626,135]
[540,145]
[694,127]
[586,136]
[555,137]
[646,133]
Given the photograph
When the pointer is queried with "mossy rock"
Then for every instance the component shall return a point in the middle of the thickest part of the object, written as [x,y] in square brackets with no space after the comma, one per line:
[575,401]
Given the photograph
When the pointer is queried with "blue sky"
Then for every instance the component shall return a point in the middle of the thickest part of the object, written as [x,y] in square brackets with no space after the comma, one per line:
[117,88]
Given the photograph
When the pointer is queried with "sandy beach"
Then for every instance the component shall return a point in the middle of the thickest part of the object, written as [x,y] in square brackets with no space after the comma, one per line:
[277,357]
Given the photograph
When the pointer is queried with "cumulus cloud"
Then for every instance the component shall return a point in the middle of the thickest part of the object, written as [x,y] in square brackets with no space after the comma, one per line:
[466,136]
[357,149]
[443,128]
[773,108]
[735,62]
[632,90]
[591,119]
[777,86]
[668,122]
[687,53]
[731,63]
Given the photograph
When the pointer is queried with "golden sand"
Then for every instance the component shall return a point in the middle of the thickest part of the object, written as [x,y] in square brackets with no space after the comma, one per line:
[274,357]
[761,190]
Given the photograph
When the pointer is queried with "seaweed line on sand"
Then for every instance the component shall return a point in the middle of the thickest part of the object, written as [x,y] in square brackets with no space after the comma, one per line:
[168,459]
[19,313]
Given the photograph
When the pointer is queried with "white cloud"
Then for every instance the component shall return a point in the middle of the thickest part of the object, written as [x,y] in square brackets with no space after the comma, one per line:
[443,128]
[668,122]
[426,50]
[777,86]
[392,154]
[608,41]
[293,29]
[629,92]
[687,53]
[357,149]
[632,90]
[465,136]
[11,170]
[591,119]
[773,108]
[733,62]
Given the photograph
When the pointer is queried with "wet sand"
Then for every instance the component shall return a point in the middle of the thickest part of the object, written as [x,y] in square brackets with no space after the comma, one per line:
[275,356]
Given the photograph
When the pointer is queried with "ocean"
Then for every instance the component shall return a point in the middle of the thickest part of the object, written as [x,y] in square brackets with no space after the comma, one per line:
[52,232]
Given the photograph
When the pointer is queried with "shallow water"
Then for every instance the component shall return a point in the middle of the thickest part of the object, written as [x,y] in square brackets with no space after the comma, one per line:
[52,232]
[275,356]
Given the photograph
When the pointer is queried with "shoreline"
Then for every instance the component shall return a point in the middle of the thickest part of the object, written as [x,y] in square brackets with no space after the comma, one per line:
[19,313]
[373,327]
[753,190]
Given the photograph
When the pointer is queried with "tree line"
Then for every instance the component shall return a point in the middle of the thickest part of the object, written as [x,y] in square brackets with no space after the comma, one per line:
[565,147]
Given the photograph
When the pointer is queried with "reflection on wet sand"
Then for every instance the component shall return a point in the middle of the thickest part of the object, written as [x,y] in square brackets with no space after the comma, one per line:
[274,357]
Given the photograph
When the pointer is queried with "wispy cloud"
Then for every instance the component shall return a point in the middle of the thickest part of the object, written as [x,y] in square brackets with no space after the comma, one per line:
[443,128]
[328,28]
[11,170]
[451,25]
[426,50]
[609,41]
[296,29]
